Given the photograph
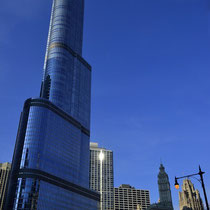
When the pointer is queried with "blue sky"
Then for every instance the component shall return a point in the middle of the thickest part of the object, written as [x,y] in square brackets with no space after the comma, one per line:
[150,82]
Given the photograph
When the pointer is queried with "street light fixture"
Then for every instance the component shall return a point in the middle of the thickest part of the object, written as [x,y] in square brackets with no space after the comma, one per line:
[200,173]
[176,184]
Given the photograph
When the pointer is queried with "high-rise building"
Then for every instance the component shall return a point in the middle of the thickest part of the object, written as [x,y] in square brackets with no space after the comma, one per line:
[50,168]
[101,175]
[4,175]
[164,187]
[189,198]
[165,200]
[129,198]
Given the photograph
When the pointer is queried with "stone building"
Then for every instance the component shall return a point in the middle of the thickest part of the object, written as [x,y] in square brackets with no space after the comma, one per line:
[165,202]
[4,175]
[164,188]
[189,198]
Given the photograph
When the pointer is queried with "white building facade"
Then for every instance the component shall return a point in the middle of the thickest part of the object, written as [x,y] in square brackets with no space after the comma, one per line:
[101,175]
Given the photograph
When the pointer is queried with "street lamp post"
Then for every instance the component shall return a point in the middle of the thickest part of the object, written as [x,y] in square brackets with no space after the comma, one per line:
[200,173]
[101,158]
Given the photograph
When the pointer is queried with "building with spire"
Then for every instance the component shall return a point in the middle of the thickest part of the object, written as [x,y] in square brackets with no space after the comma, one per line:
[164,187]
[165,198]
[189,198]
[50,167]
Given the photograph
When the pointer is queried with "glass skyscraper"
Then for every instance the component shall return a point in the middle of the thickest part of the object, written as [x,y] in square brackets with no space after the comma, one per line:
[50,168]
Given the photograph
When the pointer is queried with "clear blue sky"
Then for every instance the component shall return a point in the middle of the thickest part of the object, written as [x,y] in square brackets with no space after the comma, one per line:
[150,82]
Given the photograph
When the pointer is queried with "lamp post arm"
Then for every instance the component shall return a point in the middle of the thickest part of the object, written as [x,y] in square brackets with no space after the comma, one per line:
[197,179]
[181,177]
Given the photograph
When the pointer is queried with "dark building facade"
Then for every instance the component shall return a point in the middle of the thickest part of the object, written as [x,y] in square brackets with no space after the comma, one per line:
[164,188]
[165,201]
[50,168]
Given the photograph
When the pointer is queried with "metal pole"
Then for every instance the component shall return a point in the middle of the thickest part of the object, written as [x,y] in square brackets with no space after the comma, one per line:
[203,186]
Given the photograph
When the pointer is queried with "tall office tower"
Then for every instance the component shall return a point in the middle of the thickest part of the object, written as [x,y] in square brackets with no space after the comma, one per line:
[165,200]
[101,175]
[189,198]
[164,188]
[129,198]
[50,168]
[4,175]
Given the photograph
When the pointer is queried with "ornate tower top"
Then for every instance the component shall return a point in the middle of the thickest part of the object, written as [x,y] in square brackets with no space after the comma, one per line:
[164,187]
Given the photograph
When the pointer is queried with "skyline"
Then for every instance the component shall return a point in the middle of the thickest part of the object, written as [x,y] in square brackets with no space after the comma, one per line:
[156,110]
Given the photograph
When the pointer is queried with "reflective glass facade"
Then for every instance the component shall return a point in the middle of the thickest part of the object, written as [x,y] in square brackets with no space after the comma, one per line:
[67,75]
[50,168]
[54,145]
[69,90]
[48,197]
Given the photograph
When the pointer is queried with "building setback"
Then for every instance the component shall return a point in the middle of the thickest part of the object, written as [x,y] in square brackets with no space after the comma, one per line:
[50,167]
[129,198]
[4,175]
[189,198]
[101,175]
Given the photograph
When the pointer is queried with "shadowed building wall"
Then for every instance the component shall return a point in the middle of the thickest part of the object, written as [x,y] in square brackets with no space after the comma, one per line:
[164,188]
[165,200]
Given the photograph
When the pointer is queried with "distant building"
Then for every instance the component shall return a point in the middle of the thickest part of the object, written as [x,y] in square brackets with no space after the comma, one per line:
[4,175]
[164,188]
[165,202]
[189,198]
[129,198]
[101,175]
